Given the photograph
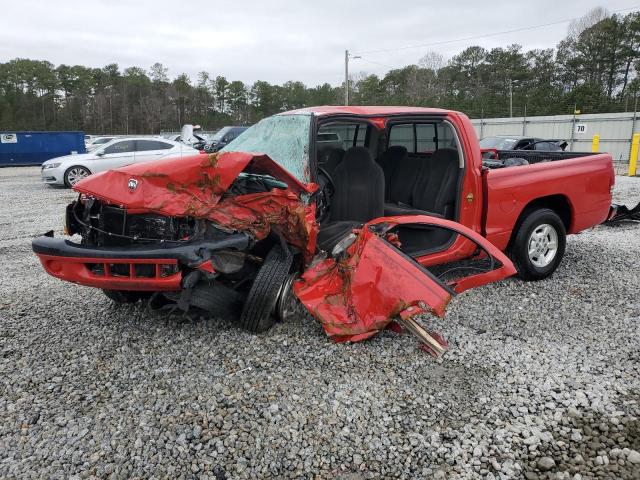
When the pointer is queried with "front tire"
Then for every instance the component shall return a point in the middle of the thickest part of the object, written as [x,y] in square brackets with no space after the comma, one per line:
[74,174]
[539,244]
[259,307]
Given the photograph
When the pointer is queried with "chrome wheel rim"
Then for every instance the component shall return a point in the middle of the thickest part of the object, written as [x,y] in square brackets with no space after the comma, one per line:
[284,297]
[543,245]
[76,174]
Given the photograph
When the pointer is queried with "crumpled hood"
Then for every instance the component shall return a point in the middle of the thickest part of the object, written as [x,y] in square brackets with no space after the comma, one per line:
[189,186]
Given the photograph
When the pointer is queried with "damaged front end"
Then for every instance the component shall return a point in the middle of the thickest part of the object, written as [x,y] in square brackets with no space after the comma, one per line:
[234,234]
[190,232]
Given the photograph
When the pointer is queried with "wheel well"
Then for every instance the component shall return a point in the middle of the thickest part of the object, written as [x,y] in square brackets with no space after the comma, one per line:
[74,166]
[558,203]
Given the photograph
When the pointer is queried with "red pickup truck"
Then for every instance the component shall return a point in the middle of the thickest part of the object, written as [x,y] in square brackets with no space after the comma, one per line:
[392,217]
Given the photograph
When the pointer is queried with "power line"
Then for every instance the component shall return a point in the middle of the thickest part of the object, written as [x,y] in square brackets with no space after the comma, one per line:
[486,35]
[377,63]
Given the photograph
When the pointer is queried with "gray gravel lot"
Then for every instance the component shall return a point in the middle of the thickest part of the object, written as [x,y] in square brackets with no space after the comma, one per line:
[541,380]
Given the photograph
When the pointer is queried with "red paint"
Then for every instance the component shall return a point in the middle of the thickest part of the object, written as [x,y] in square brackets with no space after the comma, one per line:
[206,267]
[584,184]
[357,297]
[76,270]
[190,186]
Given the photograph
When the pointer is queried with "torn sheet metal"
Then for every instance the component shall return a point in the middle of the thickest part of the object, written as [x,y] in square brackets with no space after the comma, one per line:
[260,213]
[357,296]
[190,186]
[195,186]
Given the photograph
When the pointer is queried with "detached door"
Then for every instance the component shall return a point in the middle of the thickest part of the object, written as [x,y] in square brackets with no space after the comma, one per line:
[370,280]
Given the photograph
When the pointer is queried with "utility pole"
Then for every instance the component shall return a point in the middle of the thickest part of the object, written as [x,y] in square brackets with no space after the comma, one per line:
[510,98]
[346,77]
[347,56]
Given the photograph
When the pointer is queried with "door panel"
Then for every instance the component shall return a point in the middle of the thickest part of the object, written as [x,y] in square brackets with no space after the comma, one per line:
[147,150]
[360,291]
[117,155]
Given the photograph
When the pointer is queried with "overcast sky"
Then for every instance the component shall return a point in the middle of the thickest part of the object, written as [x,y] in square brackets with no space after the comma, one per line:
[272,40]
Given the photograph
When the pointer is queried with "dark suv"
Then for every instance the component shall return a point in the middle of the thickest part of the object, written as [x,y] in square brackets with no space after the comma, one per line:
[224,136]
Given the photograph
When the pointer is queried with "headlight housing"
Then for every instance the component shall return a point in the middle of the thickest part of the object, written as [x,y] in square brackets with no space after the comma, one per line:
[47,166]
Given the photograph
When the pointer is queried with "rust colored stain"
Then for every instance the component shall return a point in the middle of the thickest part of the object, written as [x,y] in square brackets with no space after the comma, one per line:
[260,213]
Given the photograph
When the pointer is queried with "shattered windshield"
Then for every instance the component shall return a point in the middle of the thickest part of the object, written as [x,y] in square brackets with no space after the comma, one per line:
[284,138]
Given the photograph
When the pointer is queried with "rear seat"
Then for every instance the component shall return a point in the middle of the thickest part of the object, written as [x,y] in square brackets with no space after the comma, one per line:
[400,175]
[434,186]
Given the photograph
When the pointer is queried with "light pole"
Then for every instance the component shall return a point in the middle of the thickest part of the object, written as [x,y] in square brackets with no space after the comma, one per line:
[347,55]
[510,98]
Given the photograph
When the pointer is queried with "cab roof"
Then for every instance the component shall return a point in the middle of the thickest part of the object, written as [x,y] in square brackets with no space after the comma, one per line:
[326,110]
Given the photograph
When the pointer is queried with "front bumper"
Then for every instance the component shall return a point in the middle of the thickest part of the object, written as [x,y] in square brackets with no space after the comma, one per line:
[52,176]
[153,267]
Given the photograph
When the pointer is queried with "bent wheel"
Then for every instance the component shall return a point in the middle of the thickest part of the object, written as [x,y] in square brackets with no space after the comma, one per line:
[257,313]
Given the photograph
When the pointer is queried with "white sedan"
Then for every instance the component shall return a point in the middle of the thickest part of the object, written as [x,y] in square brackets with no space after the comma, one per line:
[70,169]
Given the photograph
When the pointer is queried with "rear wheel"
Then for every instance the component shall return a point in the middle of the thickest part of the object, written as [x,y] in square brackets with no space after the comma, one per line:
[74,174]
[539,244]
[259,308]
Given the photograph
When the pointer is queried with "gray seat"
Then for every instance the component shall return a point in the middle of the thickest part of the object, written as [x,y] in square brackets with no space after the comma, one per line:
[358,197]
[434,189]
[332,159]
[396,166]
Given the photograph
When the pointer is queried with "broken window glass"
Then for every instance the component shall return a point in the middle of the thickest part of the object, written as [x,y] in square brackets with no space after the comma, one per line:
[284,138]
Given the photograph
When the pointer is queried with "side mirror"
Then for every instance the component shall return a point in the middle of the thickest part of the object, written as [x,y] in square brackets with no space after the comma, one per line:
[100,153]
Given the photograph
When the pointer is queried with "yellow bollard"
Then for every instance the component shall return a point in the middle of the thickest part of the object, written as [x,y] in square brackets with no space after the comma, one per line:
[595,144]
[633,157]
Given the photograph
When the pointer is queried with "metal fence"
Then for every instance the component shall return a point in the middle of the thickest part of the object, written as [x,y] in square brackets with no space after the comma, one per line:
[615,130]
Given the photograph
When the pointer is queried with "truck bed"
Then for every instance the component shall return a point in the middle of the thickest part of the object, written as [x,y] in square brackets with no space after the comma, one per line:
[577,186]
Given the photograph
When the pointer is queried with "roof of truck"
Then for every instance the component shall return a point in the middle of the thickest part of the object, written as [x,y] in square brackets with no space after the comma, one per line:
[368,110]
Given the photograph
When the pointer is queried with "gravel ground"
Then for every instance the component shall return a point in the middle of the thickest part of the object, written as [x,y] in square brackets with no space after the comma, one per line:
[541,379]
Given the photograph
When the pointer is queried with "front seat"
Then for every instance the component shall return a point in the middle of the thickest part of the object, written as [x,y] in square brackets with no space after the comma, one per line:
[358,197]
[333,159]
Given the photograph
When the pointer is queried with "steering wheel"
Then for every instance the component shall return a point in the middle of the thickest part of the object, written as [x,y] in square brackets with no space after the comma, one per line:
[325,192]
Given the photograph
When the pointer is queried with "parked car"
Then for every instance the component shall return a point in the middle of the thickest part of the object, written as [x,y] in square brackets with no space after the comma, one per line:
[70,169]
[393,232]
[515,142]
[223,137]
[97,141]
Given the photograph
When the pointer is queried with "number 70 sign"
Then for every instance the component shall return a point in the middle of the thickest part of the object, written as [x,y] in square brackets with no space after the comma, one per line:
[581,128]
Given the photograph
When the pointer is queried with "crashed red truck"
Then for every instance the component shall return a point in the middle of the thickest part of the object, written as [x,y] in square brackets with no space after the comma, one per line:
[368,215]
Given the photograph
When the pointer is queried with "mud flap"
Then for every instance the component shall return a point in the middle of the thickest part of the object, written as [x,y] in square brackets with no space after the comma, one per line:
[357,294]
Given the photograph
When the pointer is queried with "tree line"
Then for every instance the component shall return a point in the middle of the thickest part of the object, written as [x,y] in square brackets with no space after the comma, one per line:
[594,69]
